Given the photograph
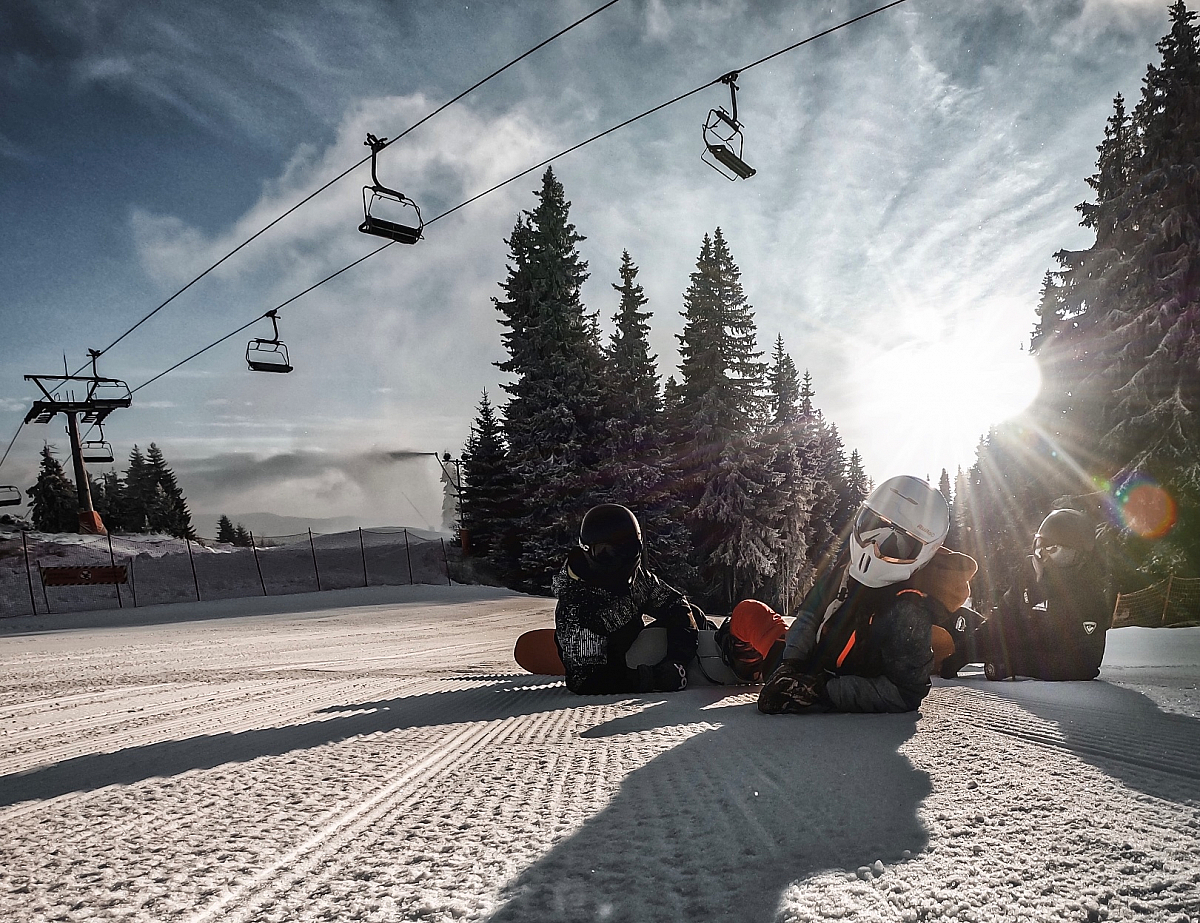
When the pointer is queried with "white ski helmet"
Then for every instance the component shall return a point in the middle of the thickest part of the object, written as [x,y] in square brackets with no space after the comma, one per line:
[898,529]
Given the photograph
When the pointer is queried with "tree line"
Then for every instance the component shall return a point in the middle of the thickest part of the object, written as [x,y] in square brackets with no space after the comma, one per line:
[741,484]
[1115,431]
[145,498]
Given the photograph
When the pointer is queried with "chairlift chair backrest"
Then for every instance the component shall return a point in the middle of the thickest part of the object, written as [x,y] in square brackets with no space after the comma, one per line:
[9,495]
[268,355]
[96,450]
[407,231]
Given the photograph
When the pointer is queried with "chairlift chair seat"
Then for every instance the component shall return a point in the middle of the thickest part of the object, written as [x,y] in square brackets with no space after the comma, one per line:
[400,232]
[267,356]
[9,495]
[96,450]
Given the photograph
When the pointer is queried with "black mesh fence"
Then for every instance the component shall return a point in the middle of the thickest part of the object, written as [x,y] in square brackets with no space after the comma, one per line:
[1174,601]
[274,565]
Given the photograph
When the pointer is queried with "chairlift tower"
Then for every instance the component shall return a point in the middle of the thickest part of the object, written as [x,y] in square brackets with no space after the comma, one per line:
[100,397]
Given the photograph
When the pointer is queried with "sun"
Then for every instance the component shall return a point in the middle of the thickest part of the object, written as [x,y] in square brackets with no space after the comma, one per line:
[926,399]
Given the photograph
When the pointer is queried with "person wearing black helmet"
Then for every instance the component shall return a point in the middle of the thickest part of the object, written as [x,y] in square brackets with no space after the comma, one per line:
[1052,625]
[604,591]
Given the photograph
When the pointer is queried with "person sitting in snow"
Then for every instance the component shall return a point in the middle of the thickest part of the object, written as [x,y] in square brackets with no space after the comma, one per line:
[604,591]
[1052,624]
[861,639]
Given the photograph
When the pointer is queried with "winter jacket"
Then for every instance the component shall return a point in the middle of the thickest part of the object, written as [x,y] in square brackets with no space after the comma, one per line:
[1052,626]
[594,626]
[873,646]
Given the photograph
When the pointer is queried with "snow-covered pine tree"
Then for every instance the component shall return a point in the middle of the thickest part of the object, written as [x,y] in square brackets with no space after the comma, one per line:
[635,472]
[225,532]
[553,422]
[827,462]
[53,501]
[793,463]
[722,468]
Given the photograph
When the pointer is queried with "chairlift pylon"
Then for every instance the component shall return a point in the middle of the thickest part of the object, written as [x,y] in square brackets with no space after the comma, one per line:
[10,495]
[376,193]
[723,138]
[271,355]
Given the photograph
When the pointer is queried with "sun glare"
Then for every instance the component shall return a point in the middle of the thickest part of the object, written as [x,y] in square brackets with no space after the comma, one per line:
[927,402]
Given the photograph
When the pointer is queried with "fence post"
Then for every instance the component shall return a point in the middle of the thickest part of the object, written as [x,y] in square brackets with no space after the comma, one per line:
[446,559]
[257,566]
[28,572]
[316,570]
[408,554]
[45,595]
[363,549]
[1167,600]
[133,581]
[192,560]
[113,561]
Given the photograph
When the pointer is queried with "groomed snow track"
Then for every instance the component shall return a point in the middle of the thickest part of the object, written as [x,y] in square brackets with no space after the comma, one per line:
[386,762]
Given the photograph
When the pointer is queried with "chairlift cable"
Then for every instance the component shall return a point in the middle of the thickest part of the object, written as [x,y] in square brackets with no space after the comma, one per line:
[661,106]
[260,317]
[517,176]
[352,168]
[197,353]
[20,426]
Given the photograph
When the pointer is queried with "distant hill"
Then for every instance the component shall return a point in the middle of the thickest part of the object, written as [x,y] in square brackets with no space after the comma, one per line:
[267,524]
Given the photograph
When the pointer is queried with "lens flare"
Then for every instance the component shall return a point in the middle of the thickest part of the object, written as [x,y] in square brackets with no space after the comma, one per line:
[1145,508]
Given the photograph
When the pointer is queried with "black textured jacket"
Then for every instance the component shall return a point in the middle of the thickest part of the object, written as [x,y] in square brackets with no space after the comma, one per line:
[592,622]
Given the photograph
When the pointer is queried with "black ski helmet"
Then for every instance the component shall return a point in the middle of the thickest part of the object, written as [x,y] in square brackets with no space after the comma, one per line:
[1064,538]
[611,537]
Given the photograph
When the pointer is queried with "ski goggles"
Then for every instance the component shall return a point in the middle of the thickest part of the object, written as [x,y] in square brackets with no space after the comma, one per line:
[1052,552]
[607,554]
[892,544]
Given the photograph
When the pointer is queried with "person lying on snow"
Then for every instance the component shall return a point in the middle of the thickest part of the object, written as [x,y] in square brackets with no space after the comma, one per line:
[861,639]
[1052,625]
[603,591]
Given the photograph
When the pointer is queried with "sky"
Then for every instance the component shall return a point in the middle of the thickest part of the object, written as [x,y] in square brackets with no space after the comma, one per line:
[916,172]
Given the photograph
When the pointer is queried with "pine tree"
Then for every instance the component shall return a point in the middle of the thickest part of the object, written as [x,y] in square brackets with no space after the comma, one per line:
[832,507]
[53,501]
[726,474]
[1120,345]
[489,490]
[553,422]
[170,513]
[139,492]
[225,531]
[241,537]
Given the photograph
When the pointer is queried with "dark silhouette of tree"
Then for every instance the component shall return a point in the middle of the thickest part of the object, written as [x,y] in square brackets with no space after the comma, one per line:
[53,500]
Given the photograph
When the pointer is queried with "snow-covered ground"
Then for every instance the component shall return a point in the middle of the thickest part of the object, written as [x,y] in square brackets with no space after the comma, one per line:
[375,755]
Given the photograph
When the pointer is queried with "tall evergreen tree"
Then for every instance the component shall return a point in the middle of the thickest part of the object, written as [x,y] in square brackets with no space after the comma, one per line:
[831,505]
[169,512]
[489,491]
[53,500]
[225,532]
[553,422]
[725,474]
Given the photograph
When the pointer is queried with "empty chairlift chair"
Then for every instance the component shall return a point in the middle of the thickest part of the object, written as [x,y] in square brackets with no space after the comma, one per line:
[9,495]
[723,138]
[386,212]
[96,450]
[268,355]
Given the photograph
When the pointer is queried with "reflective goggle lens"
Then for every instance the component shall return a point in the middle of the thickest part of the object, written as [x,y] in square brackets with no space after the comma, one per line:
[891,542]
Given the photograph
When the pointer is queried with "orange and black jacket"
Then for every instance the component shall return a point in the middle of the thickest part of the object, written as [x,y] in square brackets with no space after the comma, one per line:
[874,648]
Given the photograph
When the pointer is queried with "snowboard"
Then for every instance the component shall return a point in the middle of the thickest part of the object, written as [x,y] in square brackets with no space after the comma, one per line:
[536,652]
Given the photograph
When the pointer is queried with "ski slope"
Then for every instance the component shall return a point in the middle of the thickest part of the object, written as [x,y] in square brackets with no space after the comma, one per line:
[373,755]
